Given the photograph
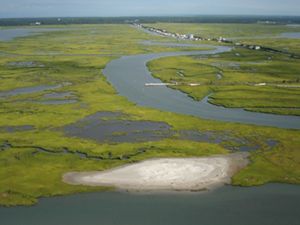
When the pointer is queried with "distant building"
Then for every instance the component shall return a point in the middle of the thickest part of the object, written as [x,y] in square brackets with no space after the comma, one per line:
[194,84]
[261,84]
[190,36]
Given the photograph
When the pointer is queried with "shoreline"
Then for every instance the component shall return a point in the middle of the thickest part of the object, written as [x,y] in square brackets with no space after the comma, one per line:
[163,175]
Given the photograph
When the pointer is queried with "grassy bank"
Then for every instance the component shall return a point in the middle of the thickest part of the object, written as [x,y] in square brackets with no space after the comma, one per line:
[234,78]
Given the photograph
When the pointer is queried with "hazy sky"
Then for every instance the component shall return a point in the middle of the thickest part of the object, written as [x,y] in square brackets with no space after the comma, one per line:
[45,8]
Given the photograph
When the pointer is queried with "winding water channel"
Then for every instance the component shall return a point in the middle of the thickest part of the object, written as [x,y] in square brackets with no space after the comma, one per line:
[129,74]
[272,204]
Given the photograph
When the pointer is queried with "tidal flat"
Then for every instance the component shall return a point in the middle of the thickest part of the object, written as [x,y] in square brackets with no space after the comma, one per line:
[168,174]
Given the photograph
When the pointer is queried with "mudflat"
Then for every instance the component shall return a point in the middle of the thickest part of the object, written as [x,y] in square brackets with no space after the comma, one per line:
[170,174]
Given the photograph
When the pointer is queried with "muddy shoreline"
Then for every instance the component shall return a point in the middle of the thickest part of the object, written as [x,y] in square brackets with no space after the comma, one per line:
[166,174]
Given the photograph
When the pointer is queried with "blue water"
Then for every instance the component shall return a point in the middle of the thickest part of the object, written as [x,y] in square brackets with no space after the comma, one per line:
[291,35]
[10,34]
[273,204]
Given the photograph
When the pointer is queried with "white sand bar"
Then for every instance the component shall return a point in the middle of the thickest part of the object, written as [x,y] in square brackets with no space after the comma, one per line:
[166,174]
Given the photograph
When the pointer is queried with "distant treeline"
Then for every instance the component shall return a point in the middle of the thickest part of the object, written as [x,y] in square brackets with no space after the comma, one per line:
[121,20]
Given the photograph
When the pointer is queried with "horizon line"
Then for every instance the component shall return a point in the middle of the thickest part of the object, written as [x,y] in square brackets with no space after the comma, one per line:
[149,16]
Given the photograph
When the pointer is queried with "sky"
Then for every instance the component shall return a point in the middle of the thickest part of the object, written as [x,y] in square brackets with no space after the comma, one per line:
[106,8]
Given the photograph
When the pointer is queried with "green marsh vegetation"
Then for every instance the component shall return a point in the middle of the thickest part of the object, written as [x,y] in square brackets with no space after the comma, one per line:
[255,34]
[232,79]
[74,57]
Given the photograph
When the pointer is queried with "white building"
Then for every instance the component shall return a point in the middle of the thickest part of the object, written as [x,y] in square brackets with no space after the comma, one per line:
[190,36]
[257,47]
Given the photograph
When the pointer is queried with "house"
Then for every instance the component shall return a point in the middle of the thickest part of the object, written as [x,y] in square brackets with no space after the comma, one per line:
[260,84]
[190,36]
[194,84]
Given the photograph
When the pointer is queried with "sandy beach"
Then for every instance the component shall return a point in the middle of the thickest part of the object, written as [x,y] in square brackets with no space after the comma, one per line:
[170,174]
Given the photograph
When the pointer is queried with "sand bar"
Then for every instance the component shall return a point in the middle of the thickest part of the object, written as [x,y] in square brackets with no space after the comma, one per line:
[171,174]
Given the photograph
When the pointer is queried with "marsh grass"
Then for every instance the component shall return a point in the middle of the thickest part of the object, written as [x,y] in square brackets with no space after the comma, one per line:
[240,74]
[26,175]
